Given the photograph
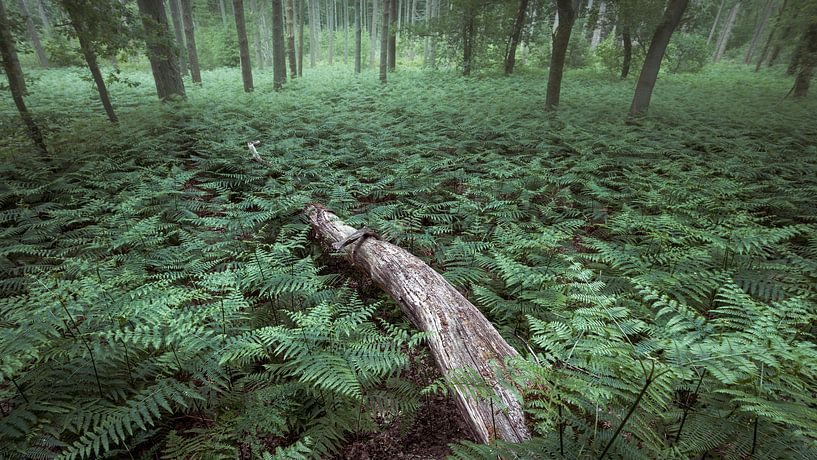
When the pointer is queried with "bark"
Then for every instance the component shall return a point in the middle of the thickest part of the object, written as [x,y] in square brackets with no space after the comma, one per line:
[243,45]
[384,41]
[44,17]
[330,25]
[796,57]
[279,69]
[373,32]
[293,61]
[652,62]
[162,56]
[596,39]
[628,51]
[190,35]
[223,13]
[358,33]
[345,32]
[561,39]
[178,31]
[778,47]
[771,36]
[259,54]
[14,74]
[393,35]
[31,31]
[460,337]
[300,38]
[592,19]
[468,32]
[726,33]
[516,34]
[87,47]
[715,24]
[314,40]
[432,49]
[761,25]
[808,60]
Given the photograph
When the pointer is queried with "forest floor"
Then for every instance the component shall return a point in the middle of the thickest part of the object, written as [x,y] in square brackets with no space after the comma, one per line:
[445,166]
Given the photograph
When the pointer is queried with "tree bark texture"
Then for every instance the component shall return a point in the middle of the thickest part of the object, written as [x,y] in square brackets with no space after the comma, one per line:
[561,39]
[761,25]
[460,337]
[808,60]
[190,35]
[393,35]
[771,36]
[726,33]
[243,44]
[628,51]
[468,36]
[384,41]
[162,56]
[178,32]
[516,34]
[300,38]
[293,58]
[715,24]
[31,31]
[278,52]
[358,33]
[314,40]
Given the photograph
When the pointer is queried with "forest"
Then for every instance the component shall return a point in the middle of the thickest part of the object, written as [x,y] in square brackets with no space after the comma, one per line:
[408,229]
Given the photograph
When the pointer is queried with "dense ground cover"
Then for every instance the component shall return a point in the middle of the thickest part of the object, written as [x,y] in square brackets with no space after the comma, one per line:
[162,295]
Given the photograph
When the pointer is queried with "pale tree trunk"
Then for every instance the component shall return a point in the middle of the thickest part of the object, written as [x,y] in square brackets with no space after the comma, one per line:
[346,32]
[31,31]
[468,33]
[432,47]
[190,35]
[771,36]
[313,34]
[592,19]
[808,60]
[330,26]
[384,41]
[243,45]
[392,35]
[471,355]
[761,25]
[14,74]
[44,17]
[278,51]
[594,42]
[561,38]
[259,53]
[358,33]
[178,32]
[300,38]
[726,33]
[293,61]
[652,62]
[162,56]
[223,11]
[516,34]
[373,32]
[715,24]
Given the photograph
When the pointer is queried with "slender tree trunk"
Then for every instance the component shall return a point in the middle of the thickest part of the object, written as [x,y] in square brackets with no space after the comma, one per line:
[330,25]
[313,34]
[259,53]
[808,60]
[468,32]
[384,41]
[592,19]
[44,17]
[31,31]
[596,39]
[300,38]
[628,51]
[561,39]
[178,31]
[243,45]
[358,33]
[796,57]
[652,62]
[516,34]
[432,47]
[87,48]
[715,24]
[761,25]
[162,56]
[14,74]
[278,53]
[770,38]
[393,35]
[190,35]
[373,32]
[778,46]
[223,11]
[293,62]
[346,32]
[427,49]
[726,33]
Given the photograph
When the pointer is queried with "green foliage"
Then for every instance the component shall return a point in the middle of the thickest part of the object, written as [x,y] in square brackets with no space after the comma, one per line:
[687,53]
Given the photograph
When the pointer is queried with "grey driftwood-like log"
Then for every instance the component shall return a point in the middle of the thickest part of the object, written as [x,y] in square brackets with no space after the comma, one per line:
[460,338]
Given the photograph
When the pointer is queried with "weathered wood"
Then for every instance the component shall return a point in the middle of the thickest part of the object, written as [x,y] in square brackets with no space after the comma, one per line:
[460,337]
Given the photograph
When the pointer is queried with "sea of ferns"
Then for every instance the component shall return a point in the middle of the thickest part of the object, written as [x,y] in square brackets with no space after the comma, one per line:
[161,295]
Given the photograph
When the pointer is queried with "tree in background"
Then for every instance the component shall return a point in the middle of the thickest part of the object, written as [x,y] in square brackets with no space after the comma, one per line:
[279,68]
[726,32]
[566,15]
[31,31]
[162,56]
[358,33]
[392,35]
[243,45]
[293,59]
[178,31]
[516,35]
[384,41]
[190,36]
[808,59]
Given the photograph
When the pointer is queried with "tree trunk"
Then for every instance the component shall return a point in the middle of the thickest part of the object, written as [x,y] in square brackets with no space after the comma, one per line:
[796,56]
[770,38]
[432,48]
[808,60]
[259,53]
[223,11]
[761,25]
[190,35]
[87,48]
[726,33]
[373,32]
[652,62]
[31,31]
[293,62]
[393,35]
[14,74]
[300,38]
[778,47]
[163,60]
[596,39]
[243,44]
[345,32]
[628,51]
[561,39]
[468,31]
[314,40]
[358,33]
[330,26]
[44,17]
[460,338]
[279,69]
[384,41]
[715,24]
[516,34]
[592,19]
[178,32]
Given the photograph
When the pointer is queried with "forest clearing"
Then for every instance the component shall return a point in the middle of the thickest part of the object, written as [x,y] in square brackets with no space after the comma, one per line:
[244,272]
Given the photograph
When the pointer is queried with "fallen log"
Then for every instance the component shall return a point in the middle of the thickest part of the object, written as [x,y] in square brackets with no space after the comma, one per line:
[460,337]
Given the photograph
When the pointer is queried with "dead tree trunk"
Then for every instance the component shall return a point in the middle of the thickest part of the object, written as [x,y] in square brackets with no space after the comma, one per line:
[460,338]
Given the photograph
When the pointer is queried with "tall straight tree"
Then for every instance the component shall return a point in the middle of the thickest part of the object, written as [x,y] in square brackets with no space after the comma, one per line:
[808,60]
[392,35]
[31,31]
[516,34]
[162,56]
[279,69]
[561,38]
[652,62]
[384,41]
[314,40]
[726,32]
[293,59]
[14,73]
[772,35]
[178,30]
[373,32]
[300,38]
[243,44]
[81,13]
[468,37]
[190,35]
[330,26]
[761,25]
[715,24]
[358,32]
